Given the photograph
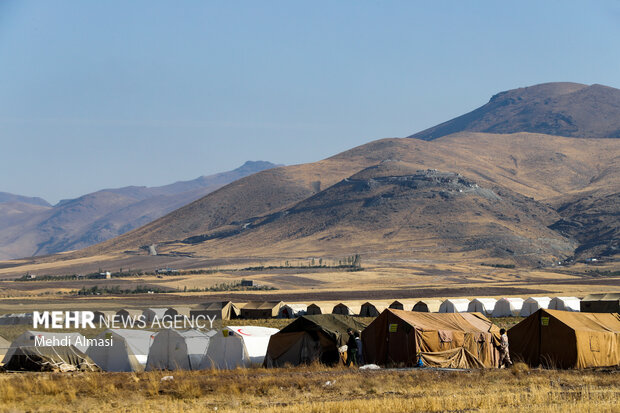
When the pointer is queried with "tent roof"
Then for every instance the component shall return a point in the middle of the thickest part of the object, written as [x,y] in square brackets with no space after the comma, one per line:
[466,322]
[262,305]
[4,343]
[216,305]
[604,322]
[333,325]
[602,297]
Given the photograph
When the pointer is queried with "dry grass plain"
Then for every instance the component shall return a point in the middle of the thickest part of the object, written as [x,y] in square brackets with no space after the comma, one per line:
[314,389]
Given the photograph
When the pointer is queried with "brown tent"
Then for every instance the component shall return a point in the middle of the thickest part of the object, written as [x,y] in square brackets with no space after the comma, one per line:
[457,340]
[261,309]
[221,310]
[310,338]
[427,306]
[104,317]
[601,303]
[316,309]
[563,339]
[126,314]
[369,309]
[344,309]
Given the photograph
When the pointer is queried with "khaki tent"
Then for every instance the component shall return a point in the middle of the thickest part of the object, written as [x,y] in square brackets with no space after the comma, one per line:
[369,309]
[344,309]
[427,306]
[221,310]
[4,347]
[563,339]
[261,309]
[316,309]
[52,358]
[128,350]
[601,303]
[310,338]
[456,340]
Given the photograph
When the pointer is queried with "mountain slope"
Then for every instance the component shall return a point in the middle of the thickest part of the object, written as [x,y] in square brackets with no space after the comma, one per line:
[561,109]
[541,167]
[99,216]
[391,207]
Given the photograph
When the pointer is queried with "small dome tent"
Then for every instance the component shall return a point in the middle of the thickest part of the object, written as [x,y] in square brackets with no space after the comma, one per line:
[482,305]
[454,305]
[427,306]
[128,351]
[565,304]
[533,304]
[172,350]
[508,307]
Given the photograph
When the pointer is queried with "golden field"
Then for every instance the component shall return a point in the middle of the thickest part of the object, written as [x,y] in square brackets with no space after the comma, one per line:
[313,389]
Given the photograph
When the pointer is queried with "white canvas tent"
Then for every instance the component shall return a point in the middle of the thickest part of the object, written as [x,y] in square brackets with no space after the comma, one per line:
[533,304]
[129,350]
[454,305]
[482,305]
[565,304]
[151,314]
[32,338]
[127,314]
[508,307]
[427,306]
[292,310]
[177,350]
[225,351]
[256,340]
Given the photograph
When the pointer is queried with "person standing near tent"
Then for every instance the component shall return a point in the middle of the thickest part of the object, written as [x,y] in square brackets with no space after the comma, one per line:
[504,353]
[360,355]
[351,348]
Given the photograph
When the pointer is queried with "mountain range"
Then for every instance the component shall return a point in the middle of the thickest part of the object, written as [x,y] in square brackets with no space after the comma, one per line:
[532,177]
[31,226]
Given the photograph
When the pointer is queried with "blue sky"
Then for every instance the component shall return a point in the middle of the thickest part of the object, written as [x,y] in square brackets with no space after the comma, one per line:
[116,93]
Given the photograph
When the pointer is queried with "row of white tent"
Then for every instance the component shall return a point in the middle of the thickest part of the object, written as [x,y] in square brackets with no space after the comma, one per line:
[169,349]
[510,306]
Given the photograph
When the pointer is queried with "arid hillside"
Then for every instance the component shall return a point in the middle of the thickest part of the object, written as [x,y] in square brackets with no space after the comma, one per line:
[530,173]
[561,109]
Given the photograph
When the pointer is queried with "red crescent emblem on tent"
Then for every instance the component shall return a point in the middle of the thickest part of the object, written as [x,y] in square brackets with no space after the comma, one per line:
[241,332]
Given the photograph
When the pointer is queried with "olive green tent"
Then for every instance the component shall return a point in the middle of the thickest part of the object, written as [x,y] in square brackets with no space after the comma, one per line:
[310,338]
[601,303]
[554,338]
[49,358]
